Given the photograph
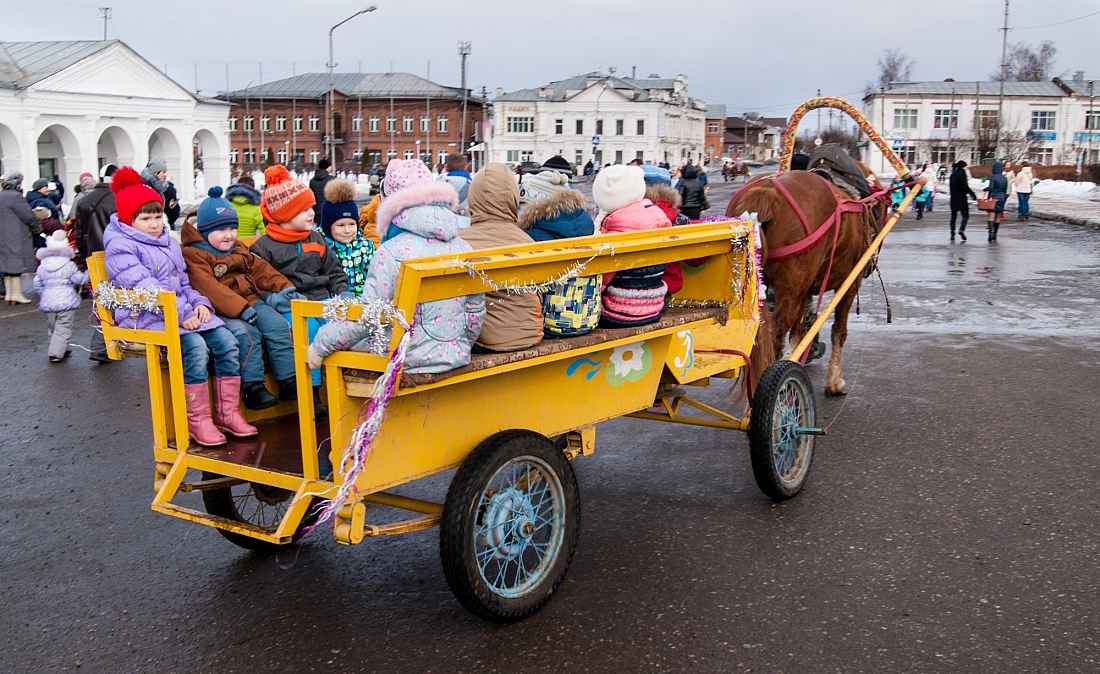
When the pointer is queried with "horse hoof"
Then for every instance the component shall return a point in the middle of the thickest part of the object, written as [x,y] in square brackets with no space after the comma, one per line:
[836,392]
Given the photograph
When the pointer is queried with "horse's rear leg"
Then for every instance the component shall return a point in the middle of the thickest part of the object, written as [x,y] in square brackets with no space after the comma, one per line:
[786,317]
[834,383]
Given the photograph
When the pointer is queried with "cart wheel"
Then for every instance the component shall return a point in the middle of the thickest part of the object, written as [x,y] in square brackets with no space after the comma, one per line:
[780,448]
[258,504]
[510,526]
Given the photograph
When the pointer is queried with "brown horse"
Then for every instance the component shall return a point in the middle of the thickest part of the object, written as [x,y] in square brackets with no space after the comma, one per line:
[743,171]
[798,277]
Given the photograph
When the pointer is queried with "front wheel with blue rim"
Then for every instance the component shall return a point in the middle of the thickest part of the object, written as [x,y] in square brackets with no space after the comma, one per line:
[510,525]
[782,427]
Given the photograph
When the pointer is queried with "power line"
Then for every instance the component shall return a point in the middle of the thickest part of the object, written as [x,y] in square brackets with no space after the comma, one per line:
[1060,23]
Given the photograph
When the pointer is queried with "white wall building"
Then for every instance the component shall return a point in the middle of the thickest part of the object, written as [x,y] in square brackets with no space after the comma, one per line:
[652,119]
[1044,122]
[71,107]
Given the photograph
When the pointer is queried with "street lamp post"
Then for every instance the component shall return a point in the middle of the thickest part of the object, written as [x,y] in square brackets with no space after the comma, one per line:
[331,65]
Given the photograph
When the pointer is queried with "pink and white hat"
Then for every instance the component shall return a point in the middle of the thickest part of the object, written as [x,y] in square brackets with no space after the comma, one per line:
[405,173]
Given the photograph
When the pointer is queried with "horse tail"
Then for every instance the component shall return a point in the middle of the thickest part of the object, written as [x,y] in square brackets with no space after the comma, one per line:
[758,197]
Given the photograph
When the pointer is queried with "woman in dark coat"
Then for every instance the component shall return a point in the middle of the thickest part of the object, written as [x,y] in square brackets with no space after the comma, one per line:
[18,225]
[997,189]
[693,197]
[960,193]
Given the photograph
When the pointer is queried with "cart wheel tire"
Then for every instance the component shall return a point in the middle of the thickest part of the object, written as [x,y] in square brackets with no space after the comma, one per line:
[783,404]
[252,503]
[510,526]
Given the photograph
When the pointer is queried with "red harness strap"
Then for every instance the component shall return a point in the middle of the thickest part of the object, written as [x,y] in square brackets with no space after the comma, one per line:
[812,237]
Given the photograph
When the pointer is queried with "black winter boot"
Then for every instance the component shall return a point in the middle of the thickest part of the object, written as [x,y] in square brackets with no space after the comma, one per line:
[319,409]
[257,397]
[288,389]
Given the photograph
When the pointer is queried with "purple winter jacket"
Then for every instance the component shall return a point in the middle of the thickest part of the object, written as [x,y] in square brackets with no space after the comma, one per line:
[136,260]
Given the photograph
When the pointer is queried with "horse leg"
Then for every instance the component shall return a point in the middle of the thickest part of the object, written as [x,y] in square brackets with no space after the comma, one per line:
[785,318]
[834,384]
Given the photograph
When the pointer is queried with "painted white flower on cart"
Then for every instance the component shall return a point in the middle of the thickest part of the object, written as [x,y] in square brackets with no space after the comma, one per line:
[629,363]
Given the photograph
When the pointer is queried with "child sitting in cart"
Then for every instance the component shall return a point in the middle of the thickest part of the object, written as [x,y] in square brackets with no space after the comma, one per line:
[139,253]
[246,292]
[639,296]
[417,218]
[340,225]
[297,251]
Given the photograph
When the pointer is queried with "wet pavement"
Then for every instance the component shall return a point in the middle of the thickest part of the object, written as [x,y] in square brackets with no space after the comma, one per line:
[951,519]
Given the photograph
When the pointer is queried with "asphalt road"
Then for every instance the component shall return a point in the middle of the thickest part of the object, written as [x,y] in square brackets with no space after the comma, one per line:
[950,521]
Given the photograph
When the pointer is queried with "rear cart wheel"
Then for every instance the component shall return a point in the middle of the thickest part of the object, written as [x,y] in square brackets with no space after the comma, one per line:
[510,526]
[781,430]
[257,504]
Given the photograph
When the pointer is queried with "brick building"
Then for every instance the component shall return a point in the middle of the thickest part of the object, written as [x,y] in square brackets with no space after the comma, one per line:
[379,115]
[716,129]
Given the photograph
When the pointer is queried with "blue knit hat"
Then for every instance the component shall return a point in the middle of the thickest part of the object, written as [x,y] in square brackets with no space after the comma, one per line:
[215,213]
[656,176]
[339,204]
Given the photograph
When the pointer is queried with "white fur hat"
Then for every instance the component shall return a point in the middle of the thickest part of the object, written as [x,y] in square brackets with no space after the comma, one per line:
[57,245]
[617,187]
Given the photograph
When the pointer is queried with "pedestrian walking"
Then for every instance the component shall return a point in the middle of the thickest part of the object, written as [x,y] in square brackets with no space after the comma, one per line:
[317,184]
[18,227]
[692,195]
[56,282]
[458,177]
[171,204]
[960,192]
[155,175]
[246,201]
[93,214]
[1024,180]
[997,189]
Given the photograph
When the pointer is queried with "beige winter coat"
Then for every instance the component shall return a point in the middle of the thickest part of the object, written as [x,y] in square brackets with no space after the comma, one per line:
[512,322]
[1023,180]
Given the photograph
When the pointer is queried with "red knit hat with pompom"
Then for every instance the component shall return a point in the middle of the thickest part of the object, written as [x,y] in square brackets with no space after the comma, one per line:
[284,197]
[131,193]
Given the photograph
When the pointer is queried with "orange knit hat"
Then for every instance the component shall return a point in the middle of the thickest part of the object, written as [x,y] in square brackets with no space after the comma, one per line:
[284,197]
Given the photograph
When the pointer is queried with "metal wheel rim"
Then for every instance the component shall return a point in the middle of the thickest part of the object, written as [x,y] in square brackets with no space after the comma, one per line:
[260,505]
[520,526]
[793,410]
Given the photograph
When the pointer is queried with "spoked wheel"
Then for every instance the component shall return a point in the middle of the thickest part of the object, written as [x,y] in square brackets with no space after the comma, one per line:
[781,430]
[510,526]
[257,504]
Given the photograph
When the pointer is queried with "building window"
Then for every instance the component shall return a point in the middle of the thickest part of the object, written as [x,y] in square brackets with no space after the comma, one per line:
[391,123]
[599,127]
[314,123]
[618,156]
[298,156]
[248,122]
[1092,121]
[281,154]
[712,127]
[408,125]
[639,155]
[234,155]
[520,125]
[1044,156]
[297,122]
[232,123]
[442,156]
[314,156]
[905,118]
[580,127]
[391,154]
[908,154]
[985,119]
[441,124]
[409,154]
[373,123]
[1042,120]
[559,127]
[356,124]
[578,157]
[641,127]
[425,124]
[265,123]
[940,155]
[619,127]
[943,119]
[250,156]
[280,123]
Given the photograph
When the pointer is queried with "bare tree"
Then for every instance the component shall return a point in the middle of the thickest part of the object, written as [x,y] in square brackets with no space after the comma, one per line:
[1025,63]
[893,66]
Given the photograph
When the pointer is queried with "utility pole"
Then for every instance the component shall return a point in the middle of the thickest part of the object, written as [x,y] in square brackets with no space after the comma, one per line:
[428,112]
[293,120]
[950,122]
[105,12]
[1090,122]
[1001,102]
[262,111]
[463,51]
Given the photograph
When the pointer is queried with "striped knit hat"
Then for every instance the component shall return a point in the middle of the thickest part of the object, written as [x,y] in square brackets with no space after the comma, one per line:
[284,197]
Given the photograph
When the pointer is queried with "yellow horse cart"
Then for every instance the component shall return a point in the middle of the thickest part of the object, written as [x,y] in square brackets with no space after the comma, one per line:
[510,423]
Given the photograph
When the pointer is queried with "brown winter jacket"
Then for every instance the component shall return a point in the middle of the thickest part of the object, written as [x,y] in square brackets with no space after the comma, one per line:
[244,279]
[512,322]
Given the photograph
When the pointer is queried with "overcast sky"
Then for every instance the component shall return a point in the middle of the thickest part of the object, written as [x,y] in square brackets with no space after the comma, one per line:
[760,55]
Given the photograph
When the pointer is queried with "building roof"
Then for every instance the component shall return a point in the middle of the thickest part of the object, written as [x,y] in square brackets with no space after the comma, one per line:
[1029,89]
[24,63]
[1080,87]
[780,122]
[562,90]
[351,85]
[716,111]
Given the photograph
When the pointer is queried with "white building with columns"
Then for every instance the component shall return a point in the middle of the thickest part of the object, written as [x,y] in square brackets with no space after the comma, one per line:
[652,119]
[71,107]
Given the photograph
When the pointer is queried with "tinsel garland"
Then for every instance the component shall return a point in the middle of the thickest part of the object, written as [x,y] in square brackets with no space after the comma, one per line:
[111,297]
[574,271]
[758,263]
[378,318]
[380,314]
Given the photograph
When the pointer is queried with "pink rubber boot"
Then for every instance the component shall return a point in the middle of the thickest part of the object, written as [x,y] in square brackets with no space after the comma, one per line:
[199,424]
[227,413]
